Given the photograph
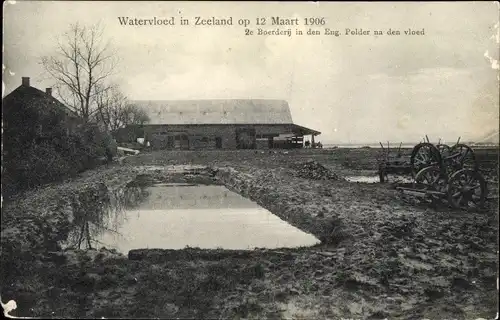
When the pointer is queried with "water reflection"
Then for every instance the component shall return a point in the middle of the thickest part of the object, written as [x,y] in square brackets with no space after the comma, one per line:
[173,216]
[102,213]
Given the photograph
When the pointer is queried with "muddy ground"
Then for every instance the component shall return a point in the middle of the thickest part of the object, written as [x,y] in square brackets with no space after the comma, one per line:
[380,256]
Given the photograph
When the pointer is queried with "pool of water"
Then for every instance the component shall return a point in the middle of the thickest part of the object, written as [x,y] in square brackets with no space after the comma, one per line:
[173,216]
[376,179]
[363,179]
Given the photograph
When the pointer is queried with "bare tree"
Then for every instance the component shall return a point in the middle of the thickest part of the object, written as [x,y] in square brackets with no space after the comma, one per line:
[81,66]
[110,105]
[115,111]
[136,115]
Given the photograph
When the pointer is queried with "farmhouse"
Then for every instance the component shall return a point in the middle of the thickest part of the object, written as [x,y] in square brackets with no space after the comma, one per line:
[29,113]
[220,124]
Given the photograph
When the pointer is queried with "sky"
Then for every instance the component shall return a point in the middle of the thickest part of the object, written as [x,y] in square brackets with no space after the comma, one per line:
[352,88]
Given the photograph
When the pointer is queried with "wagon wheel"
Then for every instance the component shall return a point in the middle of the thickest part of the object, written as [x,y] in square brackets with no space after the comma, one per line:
[444,149]
[463,157]
[433,179]
[467,190]
[424,155]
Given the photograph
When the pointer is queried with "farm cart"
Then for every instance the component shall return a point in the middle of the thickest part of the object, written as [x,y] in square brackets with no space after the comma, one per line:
[451,159]
[462,189]
[426,154]
[392,163]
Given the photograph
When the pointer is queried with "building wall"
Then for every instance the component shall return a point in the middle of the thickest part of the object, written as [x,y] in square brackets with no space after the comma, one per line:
[128,134]
[205,136]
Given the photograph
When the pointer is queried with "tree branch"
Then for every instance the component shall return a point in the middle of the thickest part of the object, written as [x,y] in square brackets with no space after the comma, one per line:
[81,66]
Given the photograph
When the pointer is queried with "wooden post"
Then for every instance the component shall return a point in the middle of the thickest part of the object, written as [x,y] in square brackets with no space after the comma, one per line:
[312,141]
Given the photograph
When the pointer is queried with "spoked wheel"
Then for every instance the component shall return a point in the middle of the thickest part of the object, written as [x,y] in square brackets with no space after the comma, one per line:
[432,179]
[467,190]
[444,149]
[463,157]
[424,155]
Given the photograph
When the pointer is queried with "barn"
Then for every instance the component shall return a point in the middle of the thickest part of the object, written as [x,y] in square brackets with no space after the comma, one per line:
[221,124]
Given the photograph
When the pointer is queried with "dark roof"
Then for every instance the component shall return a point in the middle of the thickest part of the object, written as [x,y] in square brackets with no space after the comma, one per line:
[218,111]
[27,94]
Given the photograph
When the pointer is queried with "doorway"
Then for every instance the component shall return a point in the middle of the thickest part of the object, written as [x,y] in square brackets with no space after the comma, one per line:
[270,143]
[245,138]
[170,142]
[218,142]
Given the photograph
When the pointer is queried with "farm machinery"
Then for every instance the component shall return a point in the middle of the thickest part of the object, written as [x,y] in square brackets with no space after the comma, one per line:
[439,172]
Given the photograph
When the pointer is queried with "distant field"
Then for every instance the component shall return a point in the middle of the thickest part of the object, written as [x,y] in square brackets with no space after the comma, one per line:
[404,145]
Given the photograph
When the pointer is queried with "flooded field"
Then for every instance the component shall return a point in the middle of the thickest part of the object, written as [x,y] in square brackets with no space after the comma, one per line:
[179,215]
[379,257]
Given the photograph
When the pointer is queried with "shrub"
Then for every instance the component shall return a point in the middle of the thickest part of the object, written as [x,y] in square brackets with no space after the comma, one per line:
[54,157]
[35,165]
